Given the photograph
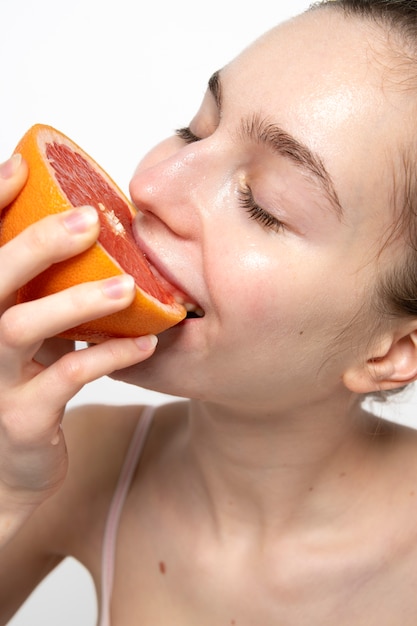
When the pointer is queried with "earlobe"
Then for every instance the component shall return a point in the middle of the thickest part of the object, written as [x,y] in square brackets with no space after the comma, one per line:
[394,366]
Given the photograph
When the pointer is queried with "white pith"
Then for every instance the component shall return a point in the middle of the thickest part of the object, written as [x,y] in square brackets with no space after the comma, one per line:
[112,220]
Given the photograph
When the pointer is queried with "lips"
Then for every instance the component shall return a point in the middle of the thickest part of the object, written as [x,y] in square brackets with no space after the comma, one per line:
[193,309]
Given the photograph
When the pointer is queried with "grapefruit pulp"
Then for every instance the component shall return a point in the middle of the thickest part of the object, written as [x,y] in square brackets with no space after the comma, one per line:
[62,176]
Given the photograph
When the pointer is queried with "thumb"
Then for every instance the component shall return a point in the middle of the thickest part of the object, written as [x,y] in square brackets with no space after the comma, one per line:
[13,174]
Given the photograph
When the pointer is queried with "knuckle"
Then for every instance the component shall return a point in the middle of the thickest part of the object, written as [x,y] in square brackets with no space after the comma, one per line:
[47,237]
[70,369]
[37,237]
[81,296]
[13,327]
[116,350]
[14,425]
[122,353]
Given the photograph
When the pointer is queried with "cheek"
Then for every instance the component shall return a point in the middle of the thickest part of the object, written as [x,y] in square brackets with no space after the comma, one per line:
[270,295]
[254,288]
[258,286]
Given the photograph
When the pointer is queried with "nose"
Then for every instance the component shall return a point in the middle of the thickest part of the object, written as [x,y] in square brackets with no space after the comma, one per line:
[167,186]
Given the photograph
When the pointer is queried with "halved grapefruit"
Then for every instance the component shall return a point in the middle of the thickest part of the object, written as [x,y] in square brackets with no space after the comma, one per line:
[62,176]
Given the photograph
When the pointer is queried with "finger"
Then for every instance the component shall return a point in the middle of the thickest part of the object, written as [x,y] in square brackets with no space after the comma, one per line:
[50,240]
[13,175]
[57,384]
[24,326]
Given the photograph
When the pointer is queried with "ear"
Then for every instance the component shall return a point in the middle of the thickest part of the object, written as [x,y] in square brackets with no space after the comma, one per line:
[392,365]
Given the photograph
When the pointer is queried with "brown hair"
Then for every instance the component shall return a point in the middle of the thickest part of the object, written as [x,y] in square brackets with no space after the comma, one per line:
[397,289]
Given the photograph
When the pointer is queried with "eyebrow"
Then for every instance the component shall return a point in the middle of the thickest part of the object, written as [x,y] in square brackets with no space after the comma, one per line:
[284,144]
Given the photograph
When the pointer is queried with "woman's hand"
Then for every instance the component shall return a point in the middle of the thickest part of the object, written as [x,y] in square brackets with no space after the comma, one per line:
[34,389]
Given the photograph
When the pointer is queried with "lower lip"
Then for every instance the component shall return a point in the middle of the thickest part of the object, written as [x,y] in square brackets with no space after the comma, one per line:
[188,320]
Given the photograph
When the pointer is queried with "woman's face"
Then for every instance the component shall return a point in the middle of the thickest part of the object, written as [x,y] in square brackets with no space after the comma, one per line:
[272,219]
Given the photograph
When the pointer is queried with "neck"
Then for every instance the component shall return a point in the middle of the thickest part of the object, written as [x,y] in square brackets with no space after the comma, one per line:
[277,470]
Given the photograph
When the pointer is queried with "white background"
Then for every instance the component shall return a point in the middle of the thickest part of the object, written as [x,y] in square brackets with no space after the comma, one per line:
[116,77]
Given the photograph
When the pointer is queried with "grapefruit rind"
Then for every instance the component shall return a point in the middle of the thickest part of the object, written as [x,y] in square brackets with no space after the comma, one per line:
[43,195]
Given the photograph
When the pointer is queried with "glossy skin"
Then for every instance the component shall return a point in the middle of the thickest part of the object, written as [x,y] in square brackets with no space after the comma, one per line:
[255,494]
[269,290]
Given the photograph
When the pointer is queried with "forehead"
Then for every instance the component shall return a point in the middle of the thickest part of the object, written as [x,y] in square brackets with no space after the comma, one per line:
[318,54]
[325,78]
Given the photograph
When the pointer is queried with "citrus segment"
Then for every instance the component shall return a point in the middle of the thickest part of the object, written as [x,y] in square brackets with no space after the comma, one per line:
[62,176]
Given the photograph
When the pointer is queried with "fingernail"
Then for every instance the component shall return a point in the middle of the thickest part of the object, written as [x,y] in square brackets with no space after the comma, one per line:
[118,286]
[10,167]
[147,342]
[80,220]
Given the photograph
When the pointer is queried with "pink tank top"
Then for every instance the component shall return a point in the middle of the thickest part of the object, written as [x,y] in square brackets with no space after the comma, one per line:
[112,524]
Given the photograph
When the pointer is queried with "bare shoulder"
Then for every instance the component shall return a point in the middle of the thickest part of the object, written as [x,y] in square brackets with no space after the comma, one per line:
[98,437]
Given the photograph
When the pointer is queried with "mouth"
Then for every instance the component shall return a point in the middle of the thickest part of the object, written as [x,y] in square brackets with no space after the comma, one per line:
[168,280]
[193,313]
[191,306]
[194,310]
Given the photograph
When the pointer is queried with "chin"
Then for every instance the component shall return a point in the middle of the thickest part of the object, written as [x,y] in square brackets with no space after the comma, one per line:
[176,366]
[161,377]
[148,375]
[134,375]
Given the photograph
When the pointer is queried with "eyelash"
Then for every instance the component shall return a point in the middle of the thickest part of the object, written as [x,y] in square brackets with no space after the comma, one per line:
[246,198]
[256,212]
[187,135]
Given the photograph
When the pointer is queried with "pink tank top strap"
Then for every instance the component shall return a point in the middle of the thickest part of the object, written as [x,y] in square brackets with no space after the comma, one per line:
[116,506]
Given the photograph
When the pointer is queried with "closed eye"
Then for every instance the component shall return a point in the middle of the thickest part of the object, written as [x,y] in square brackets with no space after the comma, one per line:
[186,134]
[257,213]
